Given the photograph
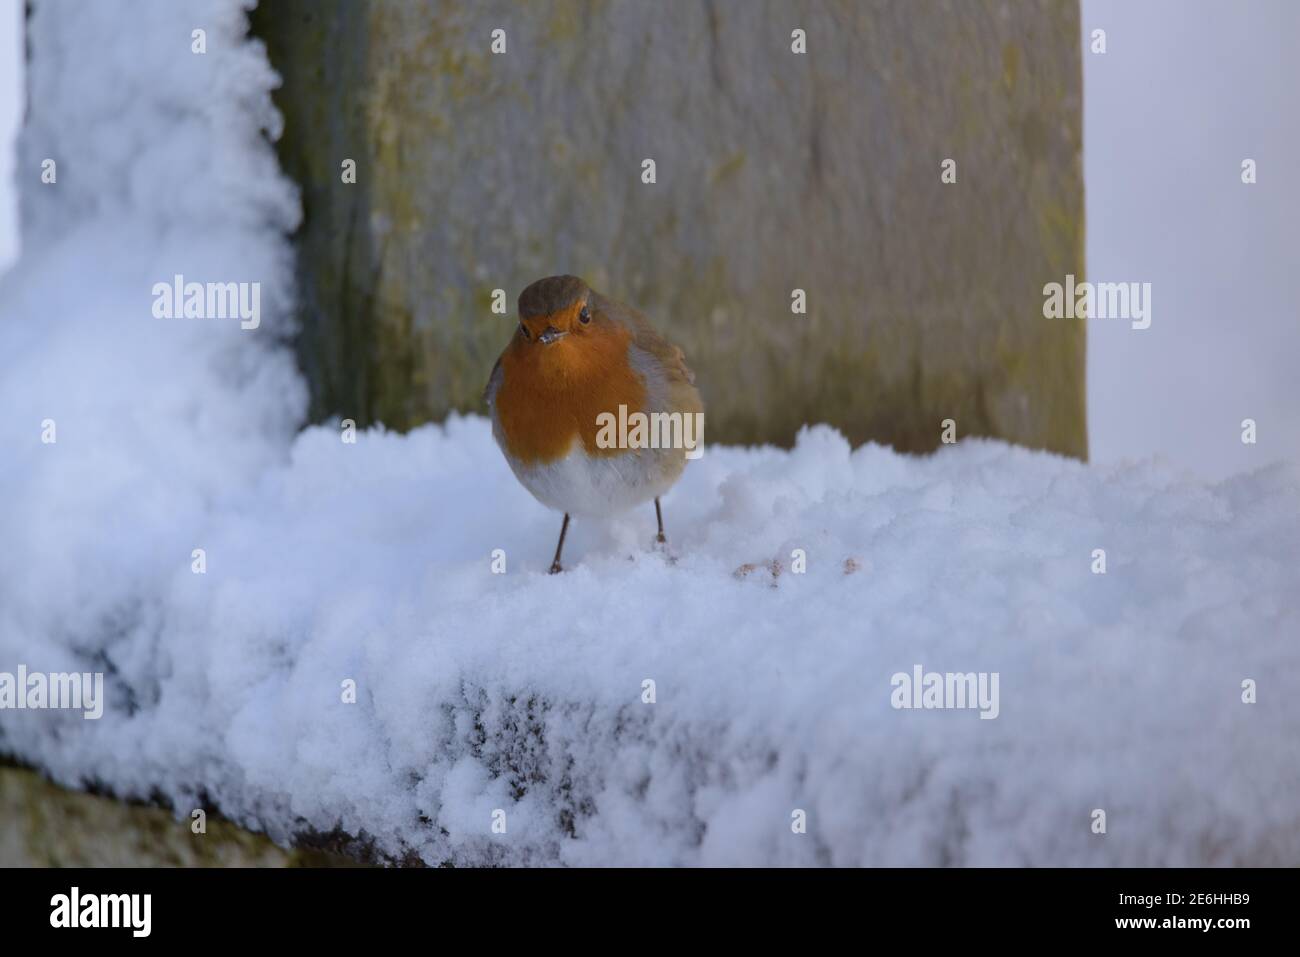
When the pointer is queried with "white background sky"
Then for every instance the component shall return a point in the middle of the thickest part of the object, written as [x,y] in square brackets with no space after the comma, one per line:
[1185,91]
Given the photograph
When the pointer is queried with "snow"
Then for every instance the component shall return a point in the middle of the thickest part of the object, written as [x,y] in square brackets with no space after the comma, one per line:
[521,692]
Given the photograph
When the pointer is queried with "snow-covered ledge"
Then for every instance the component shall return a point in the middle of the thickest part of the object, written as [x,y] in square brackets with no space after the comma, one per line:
[351,659]
[520,699]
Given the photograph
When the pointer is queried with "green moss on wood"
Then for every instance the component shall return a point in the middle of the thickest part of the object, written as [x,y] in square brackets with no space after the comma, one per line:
[775,171]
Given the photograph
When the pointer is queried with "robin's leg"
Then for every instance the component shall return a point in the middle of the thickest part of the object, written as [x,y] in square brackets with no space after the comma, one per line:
[555,565]
[659,515]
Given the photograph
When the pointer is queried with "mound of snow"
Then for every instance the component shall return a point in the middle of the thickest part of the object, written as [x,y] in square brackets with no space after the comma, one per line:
[520,692]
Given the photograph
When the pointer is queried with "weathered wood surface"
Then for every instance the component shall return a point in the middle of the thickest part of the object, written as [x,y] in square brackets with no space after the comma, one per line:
[43,825]
[775,171]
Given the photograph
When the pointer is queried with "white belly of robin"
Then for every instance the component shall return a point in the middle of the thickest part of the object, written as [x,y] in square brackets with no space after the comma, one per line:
[588,485]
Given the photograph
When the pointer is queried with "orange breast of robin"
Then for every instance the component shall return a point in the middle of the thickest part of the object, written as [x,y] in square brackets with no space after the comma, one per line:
[552,395]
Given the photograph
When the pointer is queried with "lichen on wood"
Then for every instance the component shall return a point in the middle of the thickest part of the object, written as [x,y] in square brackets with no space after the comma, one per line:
[775,171]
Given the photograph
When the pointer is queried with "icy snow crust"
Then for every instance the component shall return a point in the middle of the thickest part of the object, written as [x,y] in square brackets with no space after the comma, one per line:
[523,692]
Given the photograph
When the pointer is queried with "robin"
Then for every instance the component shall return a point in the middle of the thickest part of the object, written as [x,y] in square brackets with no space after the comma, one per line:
[578,365]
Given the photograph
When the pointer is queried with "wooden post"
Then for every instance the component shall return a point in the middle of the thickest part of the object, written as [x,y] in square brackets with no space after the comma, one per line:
[775,171]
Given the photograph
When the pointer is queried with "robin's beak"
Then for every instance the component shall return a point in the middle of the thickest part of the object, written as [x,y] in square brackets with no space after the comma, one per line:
[551,335]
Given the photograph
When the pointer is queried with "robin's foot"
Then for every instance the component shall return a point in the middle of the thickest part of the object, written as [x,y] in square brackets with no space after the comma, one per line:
[661,547]
[556,568]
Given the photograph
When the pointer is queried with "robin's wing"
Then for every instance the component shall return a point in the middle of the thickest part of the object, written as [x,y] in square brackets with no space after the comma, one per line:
[647,337]
[682,394]
[493,383]
[674,360]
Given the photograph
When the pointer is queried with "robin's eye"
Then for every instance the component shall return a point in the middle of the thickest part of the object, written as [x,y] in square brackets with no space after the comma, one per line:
[585,316]
[524,329]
